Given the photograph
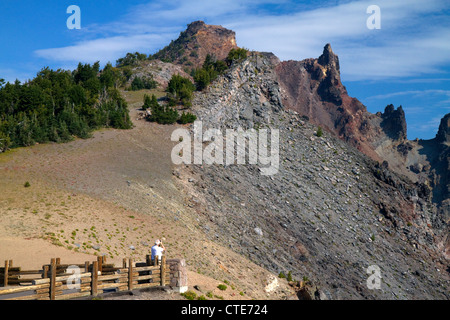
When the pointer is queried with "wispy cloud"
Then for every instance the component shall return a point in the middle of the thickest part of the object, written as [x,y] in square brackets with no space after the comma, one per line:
[410,42]
[411,93]
[422,80]
[104,49]
[427,126]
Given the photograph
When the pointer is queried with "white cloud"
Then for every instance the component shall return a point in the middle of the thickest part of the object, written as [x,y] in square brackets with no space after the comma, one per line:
[412,93]
[104,49]
[413,39]
[409,43]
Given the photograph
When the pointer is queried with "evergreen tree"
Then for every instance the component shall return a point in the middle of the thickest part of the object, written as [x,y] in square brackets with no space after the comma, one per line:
[58,105]
[150,103]
[238,54]
[209,72]
[187,118]
[110,76]
[5,142]
[179,91]
[140,83]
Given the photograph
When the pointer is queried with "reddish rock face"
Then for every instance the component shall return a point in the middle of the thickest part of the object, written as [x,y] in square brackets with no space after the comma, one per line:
[210,39]
[313,88]
[199,40]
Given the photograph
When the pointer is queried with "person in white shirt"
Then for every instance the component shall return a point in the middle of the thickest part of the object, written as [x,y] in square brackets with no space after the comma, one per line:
[157,250]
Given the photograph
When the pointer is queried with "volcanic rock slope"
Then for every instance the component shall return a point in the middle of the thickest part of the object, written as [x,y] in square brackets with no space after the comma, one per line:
[313,88]
[333,209]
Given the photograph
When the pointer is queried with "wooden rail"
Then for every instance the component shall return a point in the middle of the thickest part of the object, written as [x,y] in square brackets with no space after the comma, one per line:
[57,281]
[16,276]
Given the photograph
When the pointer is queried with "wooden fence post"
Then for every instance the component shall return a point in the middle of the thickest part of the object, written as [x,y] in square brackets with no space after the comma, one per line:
[100,263]
[5,275]
[163,271]
[53,279]
[124,263]
[45,273]
[94,278]
[130,274]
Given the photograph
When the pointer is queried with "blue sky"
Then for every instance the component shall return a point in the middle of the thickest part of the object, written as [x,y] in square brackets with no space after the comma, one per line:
[406,62]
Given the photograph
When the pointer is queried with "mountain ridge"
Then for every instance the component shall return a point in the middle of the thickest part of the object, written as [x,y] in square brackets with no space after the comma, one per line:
[330,213]
[260,91]
[313,88]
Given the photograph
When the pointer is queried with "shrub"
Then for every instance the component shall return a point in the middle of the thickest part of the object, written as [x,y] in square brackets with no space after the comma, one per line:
[131,59]
[190,295]
[168,115]
[238,54]
[222,287]
[187,118]
[319,132]
[202,78]
[27,185]
[282,275]
[210,70]
[160,114]
[150,103]
[289,277]
[127,72]
[139,83]
[179,91]
[5,142]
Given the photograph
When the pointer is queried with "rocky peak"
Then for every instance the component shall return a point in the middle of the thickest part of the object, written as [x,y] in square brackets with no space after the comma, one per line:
[330,88]
[195,26]
[394,122]
[443,134]
[196,42]
[313,88]
[328,59]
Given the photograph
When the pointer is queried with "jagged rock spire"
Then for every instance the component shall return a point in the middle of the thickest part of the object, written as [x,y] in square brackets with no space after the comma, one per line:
[329,59]
[394,122]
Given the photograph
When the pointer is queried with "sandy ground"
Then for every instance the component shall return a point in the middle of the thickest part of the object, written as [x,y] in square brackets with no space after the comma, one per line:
[113,195]
[38,253]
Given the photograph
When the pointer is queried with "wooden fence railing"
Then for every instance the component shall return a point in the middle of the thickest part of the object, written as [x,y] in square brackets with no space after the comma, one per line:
[57,281]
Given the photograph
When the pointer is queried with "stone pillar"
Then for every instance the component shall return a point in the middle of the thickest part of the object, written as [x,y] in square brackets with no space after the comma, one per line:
[178,274]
